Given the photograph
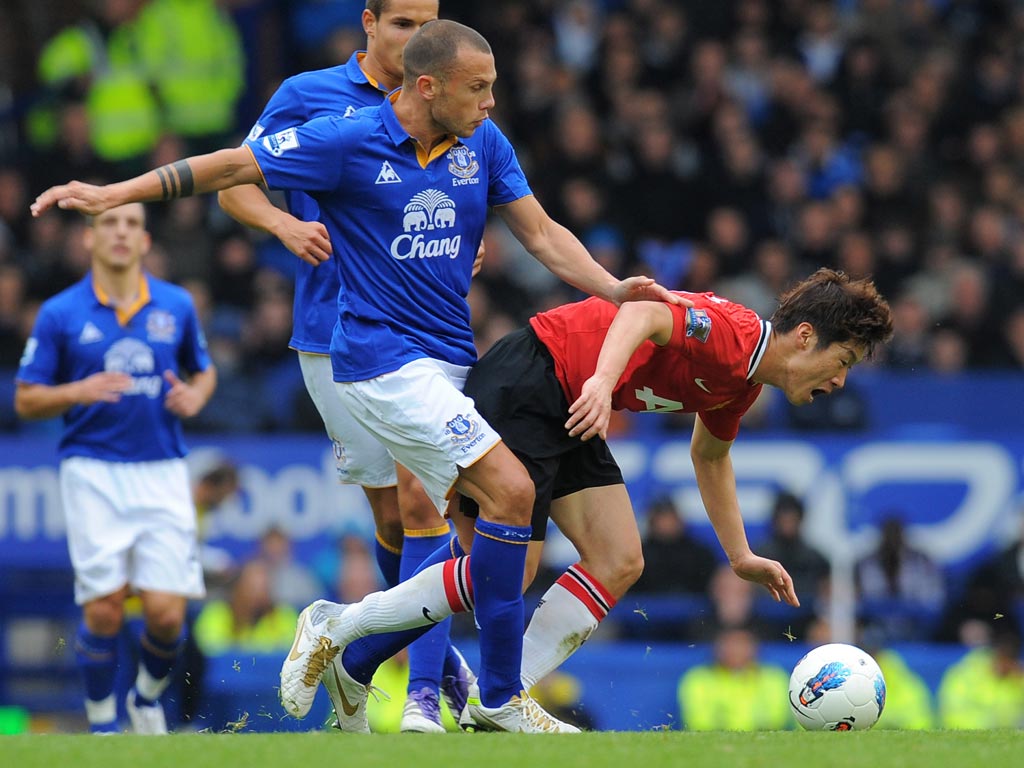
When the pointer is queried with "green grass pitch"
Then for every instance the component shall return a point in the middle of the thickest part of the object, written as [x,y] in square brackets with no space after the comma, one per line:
[900,749]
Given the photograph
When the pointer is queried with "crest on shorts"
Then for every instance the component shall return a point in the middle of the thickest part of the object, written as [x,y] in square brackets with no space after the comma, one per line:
[461,429]
[698,324]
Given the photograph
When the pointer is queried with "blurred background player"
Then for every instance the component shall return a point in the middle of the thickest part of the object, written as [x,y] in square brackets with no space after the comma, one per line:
[408,525]
[108,354]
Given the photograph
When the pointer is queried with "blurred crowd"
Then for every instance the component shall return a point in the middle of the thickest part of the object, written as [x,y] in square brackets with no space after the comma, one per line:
[902,596]
[730,146]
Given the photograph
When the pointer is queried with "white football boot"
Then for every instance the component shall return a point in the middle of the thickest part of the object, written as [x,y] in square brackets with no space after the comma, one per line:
[520,714]
[349,698]
[147,719]
[311,654]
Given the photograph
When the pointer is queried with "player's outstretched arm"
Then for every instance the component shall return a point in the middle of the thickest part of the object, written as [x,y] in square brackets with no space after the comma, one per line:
[559,250]
[193,175]
[716,481]
[634,323]
[248,205]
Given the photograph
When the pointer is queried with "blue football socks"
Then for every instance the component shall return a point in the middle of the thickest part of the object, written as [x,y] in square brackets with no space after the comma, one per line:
[427,653]
[497,560]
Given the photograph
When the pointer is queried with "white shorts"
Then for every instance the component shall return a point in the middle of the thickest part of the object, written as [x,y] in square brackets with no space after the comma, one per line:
[420,414]
[361,458]
[130,523]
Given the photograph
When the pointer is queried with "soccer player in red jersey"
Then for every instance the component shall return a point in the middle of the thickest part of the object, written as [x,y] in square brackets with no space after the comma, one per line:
[549,390]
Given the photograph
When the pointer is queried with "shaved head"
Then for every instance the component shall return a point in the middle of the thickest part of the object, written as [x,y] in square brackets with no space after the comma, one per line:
[435,47]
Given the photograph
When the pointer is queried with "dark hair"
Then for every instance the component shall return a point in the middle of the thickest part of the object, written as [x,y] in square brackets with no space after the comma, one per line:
[787,502]
[436,45]
[839,308]
[377,7]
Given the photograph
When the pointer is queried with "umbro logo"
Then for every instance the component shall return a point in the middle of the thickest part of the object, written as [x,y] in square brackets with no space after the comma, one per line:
[387,174]
[90,334]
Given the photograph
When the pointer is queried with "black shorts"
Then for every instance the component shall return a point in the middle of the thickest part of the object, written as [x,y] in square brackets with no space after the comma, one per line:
[516,391]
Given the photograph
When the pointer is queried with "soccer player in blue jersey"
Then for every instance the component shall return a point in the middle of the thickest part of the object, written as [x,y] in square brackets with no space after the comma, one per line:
[121,356]
[404,190]
[409,526]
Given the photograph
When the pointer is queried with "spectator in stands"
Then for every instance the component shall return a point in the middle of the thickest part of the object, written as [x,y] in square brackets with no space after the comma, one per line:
[249,620]
[97,61]
[732,605]
[808,567]
[357,574]
[994,595]
[985,689]
[214,481]
[191,56]
[900,589]
[909,704]
[291,582]
[737,691]
[674,560]
[908,700]
[107,354]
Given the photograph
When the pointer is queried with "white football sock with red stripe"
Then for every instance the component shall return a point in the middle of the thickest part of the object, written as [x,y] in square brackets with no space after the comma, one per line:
[567,615]
[431,595]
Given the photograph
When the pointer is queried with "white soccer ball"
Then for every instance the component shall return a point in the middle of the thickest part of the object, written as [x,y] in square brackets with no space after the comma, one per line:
[837,687]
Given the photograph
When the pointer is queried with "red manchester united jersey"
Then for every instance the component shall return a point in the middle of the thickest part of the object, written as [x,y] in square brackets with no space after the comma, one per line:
[705,368]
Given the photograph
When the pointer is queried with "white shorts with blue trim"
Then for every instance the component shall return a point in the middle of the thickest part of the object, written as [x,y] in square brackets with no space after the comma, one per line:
[421,416]
[130,523]
[360,457]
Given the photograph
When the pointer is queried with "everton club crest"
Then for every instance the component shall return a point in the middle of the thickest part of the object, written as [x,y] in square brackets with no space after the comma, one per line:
[463,165]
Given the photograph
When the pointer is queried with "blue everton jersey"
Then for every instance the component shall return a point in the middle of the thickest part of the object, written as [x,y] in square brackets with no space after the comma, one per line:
[78,334]
[405,229]
[341,91]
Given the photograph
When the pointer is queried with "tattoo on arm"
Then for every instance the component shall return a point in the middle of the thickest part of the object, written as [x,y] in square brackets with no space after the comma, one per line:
[175,180]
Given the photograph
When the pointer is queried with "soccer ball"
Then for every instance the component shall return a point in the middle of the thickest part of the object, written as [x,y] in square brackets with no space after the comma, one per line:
[837,687]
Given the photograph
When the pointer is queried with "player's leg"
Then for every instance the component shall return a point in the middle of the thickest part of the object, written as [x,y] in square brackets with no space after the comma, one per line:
[401,410]
[398,509]
[389,620]
[360,460]
[387,525]
[601,525]
[424,532]
[98,543]
[165,571]
[96,658]
[420,414]
[161,644]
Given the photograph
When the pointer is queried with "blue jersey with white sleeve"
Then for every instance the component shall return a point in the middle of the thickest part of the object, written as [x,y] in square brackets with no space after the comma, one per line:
[337,90]
[78,333]
[406,229]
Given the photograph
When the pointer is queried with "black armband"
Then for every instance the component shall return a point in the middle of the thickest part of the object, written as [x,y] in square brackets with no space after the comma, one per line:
[184,177]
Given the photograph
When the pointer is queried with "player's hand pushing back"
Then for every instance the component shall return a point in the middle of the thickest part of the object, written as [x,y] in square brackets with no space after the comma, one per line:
[639,288]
